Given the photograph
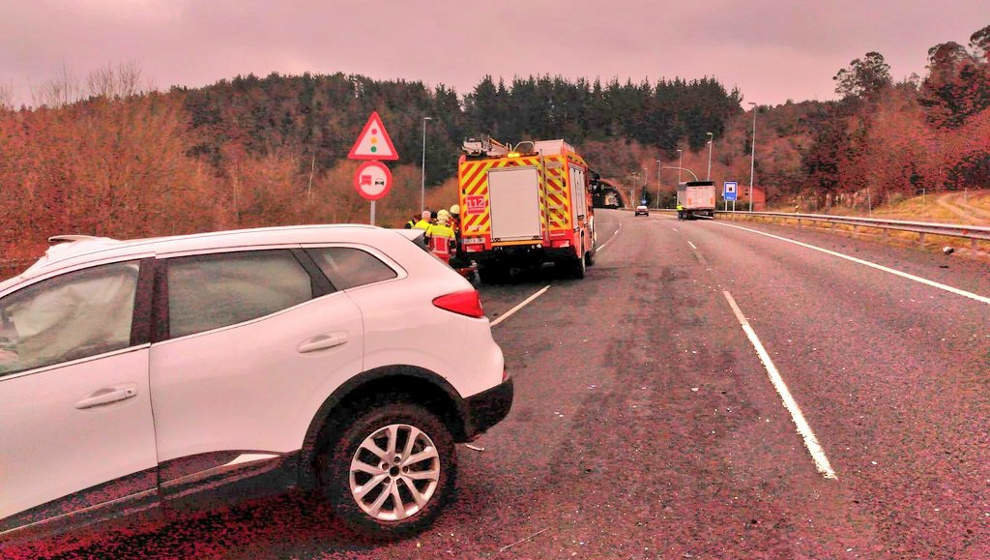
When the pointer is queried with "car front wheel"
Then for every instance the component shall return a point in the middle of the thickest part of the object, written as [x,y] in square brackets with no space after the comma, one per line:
[391,471]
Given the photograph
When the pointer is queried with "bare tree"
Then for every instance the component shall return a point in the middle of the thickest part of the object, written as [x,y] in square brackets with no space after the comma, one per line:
[100,82]
[129,78]
[6,96]
[115,83]
[61,90]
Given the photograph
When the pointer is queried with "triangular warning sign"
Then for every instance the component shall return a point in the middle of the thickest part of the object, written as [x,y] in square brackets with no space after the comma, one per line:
[373,142]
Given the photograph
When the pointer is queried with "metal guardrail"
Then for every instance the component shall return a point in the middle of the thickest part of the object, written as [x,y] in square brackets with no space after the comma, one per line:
[974,233]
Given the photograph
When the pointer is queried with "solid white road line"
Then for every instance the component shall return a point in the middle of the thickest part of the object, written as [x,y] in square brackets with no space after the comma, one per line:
[810,441]
[617,230]
[939,285]
[692,246]
[521,304]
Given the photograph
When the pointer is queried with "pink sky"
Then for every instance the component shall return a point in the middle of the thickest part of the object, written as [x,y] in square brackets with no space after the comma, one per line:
[772,51]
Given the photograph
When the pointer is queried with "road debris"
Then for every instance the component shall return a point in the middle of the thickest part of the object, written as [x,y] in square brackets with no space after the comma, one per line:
[520,541]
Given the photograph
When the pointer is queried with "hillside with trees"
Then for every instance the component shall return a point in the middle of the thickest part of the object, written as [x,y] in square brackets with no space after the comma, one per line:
[881,142]
[106,157]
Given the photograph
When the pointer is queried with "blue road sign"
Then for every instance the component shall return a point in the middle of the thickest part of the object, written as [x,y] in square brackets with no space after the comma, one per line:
[729,190]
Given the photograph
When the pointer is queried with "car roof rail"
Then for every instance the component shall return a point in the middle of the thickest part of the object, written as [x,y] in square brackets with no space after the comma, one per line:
[71,238]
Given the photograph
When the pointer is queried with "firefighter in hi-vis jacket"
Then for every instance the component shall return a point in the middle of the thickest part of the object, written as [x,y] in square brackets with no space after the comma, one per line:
[442,238]
[424,222]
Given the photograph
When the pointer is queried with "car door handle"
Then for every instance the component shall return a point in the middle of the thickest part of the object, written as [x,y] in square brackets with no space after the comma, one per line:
[108,395]
[322,342]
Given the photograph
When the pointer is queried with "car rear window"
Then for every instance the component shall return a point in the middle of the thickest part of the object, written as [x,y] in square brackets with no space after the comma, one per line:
[347,267]
[207,292]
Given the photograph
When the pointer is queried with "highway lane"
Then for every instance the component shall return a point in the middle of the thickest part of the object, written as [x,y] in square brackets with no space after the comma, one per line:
[894,375]
[499,298]
[645,425]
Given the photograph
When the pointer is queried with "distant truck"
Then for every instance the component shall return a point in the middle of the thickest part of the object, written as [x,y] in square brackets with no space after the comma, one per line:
[603,193]
[611,200]
[695,199]
[525,205]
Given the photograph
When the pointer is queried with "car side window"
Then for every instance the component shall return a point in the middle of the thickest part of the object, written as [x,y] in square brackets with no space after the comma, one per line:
[207,292]
[347,267]
[75,315]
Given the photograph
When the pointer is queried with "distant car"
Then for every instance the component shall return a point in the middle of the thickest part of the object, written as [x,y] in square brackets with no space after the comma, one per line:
[340,358]
[642,210]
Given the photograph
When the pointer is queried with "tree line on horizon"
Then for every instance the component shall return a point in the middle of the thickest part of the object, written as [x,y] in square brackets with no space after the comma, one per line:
[110,157]
[319,115]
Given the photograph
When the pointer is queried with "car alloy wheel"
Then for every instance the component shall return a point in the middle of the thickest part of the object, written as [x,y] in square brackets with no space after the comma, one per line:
[394,472]
[389,467]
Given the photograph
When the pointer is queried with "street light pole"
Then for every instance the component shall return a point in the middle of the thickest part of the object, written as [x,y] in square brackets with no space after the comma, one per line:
[646,183]
[659,167]
[422,181]
[752,158]
[711,142]
[632,188]
[680,164]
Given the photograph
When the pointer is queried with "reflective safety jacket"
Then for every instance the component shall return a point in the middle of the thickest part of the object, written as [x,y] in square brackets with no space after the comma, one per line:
[440,230]
[442,241]
[423,225]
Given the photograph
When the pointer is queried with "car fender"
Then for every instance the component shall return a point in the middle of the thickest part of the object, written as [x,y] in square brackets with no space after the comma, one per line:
[309,447]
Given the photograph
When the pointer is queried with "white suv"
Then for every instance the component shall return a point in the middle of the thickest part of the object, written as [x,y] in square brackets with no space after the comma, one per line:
[344,357]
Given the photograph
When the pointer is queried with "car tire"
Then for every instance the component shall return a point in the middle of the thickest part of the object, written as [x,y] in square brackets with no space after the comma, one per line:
[348,470]
[589,257]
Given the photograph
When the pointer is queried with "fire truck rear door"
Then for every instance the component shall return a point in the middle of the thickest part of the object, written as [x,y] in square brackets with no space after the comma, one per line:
[514,199]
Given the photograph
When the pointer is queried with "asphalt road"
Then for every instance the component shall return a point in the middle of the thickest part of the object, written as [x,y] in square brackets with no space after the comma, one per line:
[646,426]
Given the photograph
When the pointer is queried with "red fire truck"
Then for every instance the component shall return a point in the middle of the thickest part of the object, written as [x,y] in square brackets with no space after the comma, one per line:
[525,205]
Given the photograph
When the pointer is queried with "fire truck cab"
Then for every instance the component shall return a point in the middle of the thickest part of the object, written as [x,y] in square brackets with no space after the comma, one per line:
[525,205]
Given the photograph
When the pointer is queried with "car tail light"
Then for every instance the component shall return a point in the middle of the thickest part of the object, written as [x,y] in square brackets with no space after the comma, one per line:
[467,303]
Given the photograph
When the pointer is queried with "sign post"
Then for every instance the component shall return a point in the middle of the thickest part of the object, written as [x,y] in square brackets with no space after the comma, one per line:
[373,179]
[729,193]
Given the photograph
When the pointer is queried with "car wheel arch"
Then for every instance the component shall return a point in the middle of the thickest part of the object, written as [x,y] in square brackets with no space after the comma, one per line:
[421,385]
